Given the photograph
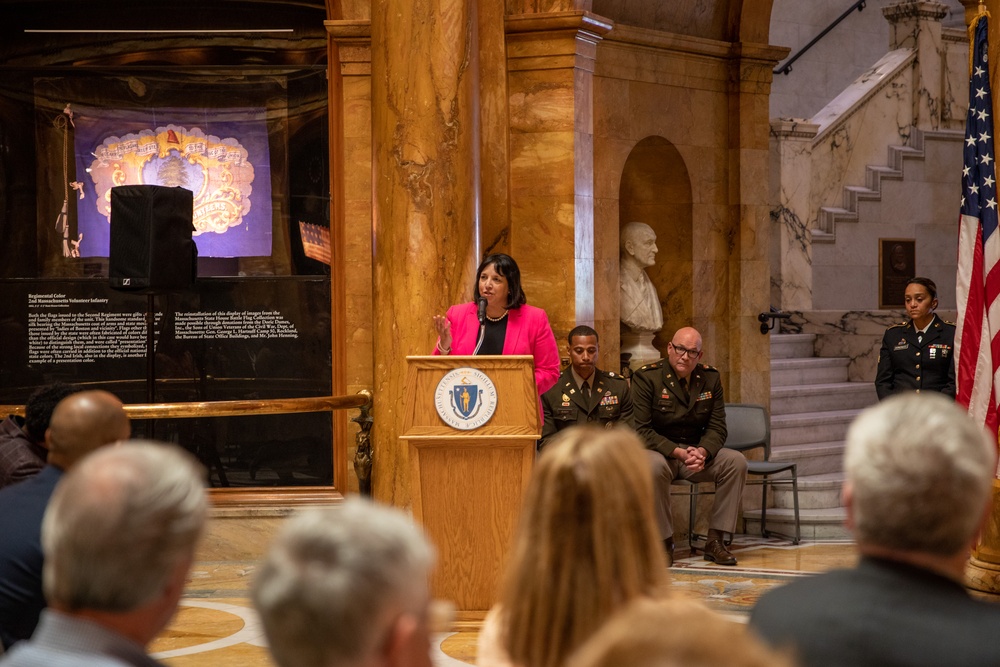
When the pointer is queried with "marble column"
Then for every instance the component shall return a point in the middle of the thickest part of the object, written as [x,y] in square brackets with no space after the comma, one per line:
[550,62]
[791,174]
[426,187]
[351,214]
[916,24]
[494,146]
[748,266]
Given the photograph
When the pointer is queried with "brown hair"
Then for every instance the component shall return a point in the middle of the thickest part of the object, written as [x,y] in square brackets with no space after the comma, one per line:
[675,633]
[587,544]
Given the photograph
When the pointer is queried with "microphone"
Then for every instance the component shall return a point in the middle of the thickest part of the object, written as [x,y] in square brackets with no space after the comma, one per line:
[481,308]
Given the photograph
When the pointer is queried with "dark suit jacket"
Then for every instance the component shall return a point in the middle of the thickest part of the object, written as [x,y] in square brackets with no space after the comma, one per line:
[906,365]
[20,456]
[563,405]
[665,419]
[882,614]
[21,509]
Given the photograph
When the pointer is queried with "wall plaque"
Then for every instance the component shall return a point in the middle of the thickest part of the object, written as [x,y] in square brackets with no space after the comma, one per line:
[896,265]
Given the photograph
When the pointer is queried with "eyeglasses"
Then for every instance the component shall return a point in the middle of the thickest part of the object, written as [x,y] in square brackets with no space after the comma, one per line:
[684,352]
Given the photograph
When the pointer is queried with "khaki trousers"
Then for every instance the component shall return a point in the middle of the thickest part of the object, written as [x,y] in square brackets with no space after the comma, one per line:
[728,469]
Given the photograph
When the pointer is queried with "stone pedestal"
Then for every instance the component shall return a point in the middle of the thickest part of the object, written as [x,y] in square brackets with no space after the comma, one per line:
[640,346]
[983,570]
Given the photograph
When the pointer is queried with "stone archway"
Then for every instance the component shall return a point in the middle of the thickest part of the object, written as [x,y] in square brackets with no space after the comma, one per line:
[655,188]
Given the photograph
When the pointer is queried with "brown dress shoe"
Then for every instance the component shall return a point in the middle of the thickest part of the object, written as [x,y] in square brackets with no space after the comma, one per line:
[717,552]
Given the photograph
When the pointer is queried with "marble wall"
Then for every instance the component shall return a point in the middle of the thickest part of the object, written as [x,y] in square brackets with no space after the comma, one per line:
[846,52]
[663,160]
[604,122]
[855,334]
[663,153]
[881,160]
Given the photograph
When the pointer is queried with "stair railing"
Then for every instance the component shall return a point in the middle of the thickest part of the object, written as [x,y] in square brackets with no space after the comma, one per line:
[769,319]
[787,67]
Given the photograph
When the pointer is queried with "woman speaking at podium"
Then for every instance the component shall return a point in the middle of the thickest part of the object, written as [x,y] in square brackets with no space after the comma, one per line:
[498,321]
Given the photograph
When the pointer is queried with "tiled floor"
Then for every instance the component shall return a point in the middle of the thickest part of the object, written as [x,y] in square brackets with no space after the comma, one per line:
[217,627]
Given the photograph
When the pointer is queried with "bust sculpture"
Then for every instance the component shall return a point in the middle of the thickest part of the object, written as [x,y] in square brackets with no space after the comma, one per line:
[640,306]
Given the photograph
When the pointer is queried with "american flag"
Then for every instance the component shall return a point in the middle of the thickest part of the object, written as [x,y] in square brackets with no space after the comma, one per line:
[977,335]
[315,241]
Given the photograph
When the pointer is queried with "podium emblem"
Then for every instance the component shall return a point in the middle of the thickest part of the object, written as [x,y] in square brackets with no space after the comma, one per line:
[465,398]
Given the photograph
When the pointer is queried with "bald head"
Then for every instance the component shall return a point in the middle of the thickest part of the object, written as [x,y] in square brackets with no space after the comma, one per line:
[81,423]
[687,336]
[684,351]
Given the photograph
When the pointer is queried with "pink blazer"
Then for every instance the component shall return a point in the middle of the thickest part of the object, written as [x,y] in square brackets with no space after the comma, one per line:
[528,332]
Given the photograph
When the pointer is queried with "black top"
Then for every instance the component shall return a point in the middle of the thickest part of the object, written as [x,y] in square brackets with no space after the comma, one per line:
[496,333]
[21,509]
[879,614]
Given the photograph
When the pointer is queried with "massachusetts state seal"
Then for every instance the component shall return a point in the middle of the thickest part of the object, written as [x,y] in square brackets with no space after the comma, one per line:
[465,398]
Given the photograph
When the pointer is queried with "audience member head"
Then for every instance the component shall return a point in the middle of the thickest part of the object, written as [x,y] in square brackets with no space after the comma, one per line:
[918,476]
[347,586]
[81,423]
[119,536]
[587,543]
[674,633]
[39,407]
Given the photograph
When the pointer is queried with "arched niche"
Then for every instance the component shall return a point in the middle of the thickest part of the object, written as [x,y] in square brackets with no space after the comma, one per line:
[655,188]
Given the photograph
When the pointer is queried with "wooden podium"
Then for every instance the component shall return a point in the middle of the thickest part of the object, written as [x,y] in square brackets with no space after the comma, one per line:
[467,484]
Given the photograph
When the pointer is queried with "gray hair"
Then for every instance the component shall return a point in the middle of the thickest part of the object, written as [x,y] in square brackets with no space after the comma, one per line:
[335,579]
[120,523]
[921,471]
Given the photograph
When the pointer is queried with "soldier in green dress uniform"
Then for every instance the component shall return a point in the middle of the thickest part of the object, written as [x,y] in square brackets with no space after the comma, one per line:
[681,415]
[584,394]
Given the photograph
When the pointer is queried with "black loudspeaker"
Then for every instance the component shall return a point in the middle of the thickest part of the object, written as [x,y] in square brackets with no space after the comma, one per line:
[151,244]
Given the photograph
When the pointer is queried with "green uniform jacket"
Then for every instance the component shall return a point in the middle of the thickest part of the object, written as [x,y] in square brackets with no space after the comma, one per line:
[563,405]
[666,420]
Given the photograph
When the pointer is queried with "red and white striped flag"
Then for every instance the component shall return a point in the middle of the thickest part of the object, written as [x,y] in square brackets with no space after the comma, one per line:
[977,335]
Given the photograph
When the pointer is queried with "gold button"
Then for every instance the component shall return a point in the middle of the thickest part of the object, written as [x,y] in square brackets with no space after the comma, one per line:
[918,354]
[918,378]
[918,391]
[918,365]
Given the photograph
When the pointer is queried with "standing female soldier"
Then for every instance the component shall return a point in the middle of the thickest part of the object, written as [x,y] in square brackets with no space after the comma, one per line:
[918,354]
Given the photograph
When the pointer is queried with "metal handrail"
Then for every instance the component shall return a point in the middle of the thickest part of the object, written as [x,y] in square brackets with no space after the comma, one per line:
[273,406]
[787,67]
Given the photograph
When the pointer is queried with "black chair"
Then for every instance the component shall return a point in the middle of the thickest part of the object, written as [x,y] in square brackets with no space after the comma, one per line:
[749,427]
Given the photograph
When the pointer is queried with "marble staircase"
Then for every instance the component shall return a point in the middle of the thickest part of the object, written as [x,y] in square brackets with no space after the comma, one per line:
[812,404]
